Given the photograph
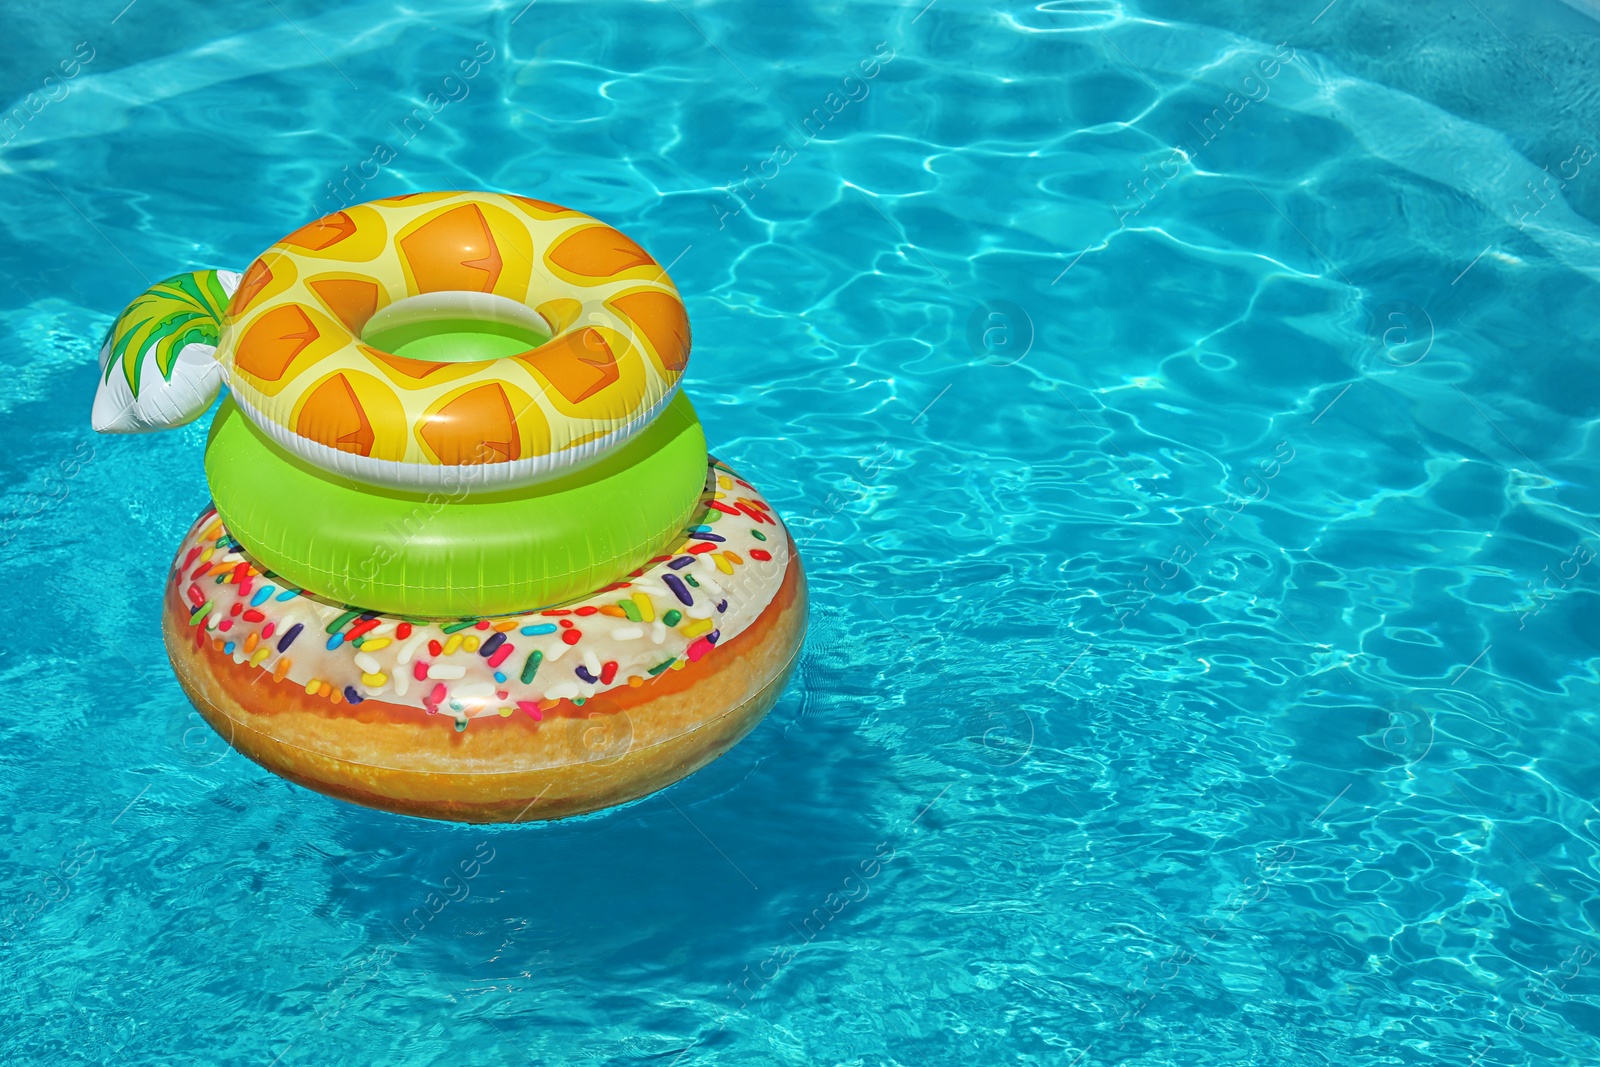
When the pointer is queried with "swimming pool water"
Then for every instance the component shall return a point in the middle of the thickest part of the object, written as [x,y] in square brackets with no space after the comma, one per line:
[1186,413]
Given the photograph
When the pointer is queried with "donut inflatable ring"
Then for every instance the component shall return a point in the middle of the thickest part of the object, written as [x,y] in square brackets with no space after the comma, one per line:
[533,716]
[468,558]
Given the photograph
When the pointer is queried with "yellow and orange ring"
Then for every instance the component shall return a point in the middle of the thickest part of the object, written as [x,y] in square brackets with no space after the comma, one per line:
[292,351]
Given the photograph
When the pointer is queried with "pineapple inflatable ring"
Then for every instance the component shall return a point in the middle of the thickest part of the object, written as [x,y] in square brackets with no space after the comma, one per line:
[332,342]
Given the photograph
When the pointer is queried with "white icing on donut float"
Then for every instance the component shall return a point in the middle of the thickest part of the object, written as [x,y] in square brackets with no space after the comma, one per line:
[674,611]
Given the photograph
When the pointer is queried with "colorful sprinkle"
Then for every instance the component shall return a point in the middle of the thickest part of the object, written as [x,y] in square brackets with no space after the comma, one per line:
[531,666]
[338,624]
[538,628]
[753,513]
[646,606]
[289,635]
[679,590]
[407,650]
[361,627]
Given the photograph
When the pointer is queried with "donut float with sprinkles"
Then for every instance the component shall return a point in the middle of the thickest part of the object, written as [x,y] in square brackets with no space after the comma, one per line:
[472,398]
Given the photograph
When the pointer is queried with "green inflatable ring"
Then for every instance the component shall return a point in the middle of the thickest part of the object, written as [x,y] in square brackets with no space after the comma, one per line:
[450,555]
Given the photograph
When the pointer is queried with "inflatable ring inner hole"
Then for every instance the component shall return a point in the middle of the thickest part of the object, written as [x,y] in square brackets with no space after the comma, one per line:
[456,327]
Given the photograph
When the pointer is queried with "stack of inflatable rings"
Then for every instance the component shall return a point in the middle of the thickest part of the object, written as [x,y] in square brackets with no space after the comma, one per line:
[468,557]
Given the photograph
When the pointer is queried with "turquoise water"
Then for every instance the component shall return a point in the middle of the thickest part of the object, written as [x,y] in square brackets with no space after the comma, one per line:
[1198,491]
